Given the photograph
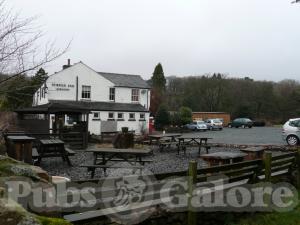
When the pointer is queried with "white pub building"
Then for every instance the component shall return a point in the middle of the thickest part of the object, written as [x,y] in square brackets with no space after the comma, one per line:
[112,100]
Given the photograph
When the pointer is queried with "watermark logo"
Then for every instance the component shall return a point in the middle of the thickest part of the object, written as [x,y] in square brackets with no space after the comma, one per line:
[128,199]
[133,199]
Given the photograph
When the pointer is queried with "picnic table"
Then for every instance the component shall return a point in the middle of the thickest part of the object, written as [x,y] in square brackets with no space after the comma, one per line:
[200,142]
[157,137]
[254,152]
[163,140]
[53,148]
[20,147]
[103,156]
[221,158]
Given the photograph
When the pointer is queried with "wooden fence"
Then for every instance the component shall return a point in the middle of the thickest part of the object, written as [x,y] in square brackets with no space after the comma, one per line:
[253,171]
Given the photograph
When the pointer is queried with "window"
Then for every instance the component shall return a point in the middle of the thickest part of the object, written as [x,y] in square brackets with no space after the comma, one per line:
[111,116]
[120,116]
[131,116]
[142,116]
[295,123]
[112,94]
[135,95]
[86,92]
[96,115]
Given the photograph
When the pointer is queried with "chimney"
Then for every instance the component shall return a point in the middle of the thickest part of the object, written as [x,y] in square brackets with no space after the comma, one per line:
[68,65]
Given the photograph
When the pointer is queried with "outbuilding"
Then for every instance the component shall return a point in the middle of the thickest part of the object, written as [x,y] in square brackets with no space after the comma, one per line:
[212,115]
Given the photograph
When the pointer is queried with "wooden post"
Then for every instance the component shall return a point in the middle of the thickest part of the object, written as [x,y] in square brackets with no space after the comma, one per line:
[268,165]
[298,168]
[192,179]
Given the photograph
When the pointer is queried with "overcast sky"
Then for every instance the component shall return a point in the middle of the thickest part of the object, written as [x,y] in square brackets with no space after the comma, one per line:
[256,38]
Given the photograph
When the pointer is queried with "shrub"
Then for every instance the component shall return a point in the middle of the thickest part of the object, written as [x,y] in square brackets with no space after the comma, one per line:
[162,117]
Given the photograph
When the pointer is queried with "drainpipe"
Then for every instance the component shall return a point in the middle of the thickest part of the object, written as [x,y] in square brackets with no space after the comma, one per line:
[76,88]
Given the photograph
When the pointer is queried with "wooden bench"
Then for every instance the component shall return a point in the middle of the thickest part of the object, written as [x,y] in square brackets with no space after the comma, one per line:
[143,161]
[92,168]
[183,147]
[70,152]
[235,174]
[146,142]
[166,143]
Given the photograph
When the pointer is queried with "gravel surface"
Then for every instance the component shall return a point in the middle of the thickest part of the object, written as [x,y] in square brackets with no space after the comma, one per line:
[167,160]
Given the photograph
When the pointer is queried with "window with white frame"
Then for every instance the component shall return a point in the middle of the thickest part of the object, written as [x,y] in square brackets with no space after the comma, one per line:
[86,92]
[120,116]
[135,94]
[131,116]
[111,116]
[142,116]
[112,92]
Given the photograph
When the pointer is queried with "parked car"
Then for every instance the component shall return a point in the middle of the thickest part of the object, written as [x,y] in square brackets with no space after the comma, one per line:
[241,122]
[214,124]
[196,126]
[291,132]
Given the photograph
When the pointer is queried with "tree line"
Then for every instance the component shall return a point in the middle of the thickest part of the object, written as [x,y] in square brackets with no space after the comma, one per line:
[18,91]
[273,102]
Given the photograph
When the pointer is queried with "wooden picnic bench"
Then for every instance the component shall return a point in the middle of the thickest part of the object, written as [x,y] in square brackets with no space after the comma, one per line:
[254,152]
[20,147]
[103,156]
[193,141]
[53,148]
[158,137]
[235,174]
[221,158]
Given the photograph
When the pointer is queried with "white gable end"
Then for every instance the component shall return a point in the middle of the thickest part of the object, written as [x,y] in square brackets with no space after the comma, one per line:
[68,83]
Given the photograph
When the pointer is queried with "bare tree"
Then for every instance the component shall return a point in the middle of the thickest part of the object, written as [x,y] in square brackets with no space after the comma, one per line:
[19,48]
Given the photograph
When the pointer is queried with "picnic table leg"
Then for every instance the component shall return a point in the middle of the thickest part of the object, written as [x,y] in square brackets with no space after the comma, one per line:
[41,155]
[28,152]
[67,159]
[18,151]
[93,169]
[93,172]
[64,154]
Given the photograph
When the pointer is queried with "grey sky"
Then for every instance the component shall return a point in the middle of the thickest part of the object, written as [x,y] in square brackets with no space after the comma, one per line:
[256,38]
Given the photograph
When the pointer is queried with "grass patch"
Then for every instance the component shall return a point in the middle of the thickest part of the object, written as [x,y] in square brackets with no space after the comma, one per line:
[52,221]
[274,218]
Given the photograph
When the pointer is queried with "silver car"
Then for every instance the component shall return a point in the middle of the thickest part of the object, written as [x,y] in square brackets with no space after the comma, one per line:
[196,126]
[291,132]
[214,124]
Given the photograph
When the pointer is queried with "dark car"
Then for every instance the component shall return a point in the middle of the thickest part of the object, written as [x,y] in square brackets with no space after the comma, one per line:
[241,122]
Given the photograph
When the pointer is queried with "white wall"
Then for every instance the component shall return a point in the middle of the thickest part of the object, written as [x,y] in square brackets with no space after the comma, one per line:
[95,125]
[86,76]
[123,95]
[99,92]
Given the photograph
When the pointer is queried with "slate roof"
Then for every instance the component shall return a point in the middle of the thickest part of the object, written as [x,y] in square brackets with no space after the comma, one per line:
[83,106]
[125,80]
[54,107]
[103,106]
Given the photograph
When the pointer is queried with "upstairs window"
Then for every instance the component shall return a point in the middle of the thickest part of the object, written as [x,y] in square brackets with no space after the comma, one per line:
[112,94]
[135,95]
[86,92]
